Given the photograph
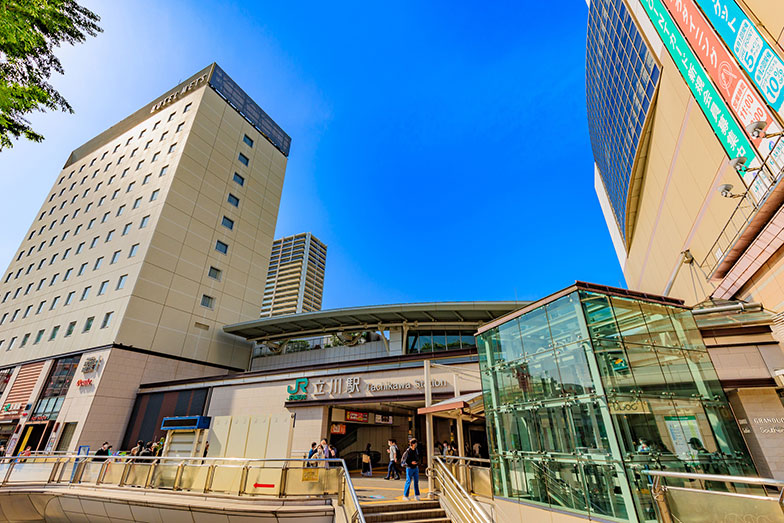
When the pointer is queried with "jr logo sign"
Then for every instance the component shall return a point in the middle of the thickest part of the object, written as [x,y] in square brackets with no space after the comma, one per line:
[299,391]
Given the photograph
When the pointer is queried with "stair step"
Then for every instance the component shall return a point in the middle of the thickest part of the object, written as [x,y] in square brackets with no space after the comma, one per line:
[396,506]
[405,515]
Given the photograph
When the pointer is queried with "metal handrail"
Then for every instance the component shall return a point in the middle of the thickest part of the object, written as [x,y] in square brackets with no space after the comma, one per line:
[459,496]
[61,463]
[715,477]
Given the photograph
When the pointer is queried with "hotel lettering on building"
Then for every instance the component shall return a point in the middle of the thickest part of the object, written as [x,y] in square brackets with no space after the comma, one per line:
[155,234]
[685,118]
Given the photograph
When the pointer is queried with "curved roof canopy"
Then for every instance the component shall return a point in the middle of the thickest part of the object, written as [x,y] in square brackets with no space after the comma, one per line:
[375,317]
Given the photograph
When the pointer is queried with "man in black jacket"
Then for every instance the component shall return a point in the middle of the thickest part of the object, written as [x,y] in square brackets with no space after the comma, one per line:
[410,461]
[102,453]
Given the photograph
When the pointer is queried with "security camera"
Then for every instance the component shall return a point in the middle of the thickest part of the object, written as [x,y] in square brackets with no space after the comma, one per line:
[739,163]
[755,128]
[726,190]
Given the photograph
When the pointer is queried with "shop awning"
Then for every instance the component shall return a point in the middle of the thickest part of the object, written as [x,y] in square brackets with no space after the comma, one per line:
[471,403]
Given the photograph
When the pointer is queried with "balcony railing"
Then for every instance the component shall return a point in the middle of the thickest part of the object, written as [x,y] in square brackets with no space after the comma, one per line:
[223,477]
[707,498]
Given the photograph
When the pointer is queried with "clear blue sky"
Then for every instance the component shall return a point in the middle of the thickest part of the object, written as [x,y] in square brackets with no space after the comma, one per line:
[439,149]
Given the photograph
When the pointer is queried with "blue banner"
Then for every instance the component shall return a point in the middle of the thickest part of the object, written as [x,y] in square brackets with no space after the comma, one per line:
[763,64]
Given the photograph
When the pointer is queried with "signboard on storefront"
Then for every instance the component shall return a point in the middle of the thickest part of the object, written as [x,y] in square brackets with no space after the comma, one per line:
[758,58]
[319,388]
[730,134]
[337,428]
[358,417]
[384,419]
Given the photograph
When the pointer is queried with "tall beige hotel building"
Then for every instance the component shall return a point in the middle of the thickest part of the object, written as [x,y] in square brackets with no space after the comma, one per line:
[685,103]
[156,234]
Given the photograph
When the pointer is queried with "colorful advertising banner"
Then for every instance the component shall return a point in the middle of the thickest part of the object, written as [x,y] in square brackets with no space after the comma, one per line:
[763,64]
[732,137]
[745,102]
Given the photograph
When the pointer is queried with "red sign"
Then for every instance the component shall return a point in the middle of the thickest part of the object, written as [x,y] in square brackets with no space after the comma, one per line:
[359,417]
[84,383]
[337,428]
[730,81]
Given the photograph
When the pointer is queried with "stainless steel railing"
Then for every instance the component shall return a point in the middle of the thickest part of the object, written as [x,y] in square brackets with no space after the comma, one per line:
[457,495]
[698,498]
[225,477]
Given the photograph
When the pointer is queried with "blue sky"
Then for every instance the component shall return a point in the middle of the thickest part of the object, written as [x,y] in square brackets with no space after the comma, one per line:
[440,151]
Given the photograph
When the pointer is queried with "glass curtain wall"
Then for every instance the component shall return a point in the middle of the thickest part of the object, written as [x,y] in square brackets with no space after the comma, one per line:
[585,392]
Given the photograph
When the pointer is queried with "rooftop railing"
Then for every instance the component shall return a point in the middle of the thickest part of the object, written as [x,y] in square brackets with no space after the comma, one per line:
[220,477]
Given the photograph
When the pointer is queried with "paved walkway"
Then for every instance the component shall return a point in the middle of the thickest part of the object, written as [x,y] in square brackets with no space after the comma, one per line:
[379,490]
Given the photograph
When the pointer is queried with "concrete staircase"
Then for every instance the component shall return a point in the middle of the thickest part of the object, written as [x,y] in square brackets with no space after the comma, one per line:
[405,512]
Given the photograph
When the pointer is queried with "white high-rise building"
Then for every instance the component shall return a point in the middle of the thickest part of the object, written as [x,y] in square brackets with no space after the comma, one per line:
[295,279]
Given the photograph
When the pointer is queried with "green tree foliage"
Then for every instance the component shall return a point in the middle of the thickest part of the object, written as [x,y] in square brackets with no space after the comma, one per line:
[29,32]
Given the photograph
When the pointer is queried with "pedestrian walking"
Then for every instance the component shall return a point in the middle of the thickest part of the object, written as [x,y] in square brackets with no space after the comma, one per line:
[410,462]
[394,455]
[367,469]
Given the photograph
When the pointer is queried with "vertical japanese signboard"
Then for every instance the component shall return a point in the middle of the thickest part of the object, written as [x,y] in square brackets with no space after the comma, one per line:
[731,136]
[743,100]
[759,59]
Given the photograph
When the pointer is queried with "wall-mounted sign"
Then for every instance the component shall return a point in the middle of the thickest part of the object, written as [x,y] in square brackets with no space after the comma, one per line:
[298,391]
[757,57]
[731,136]
[91,364]
[84,383]
[44,417]
[769,425]
[358,417]
[744,101]
[177,94]
[384,419]
[337,428]
[319,388]
[629,407]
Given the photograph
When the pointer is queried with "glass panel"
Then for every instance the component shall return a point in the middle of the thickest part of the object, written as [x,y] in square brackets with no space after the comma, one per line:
[509,335]
[706,379]
[467,340]
[564,317]
[424,342]
[565,486]
[439,341]
[614,367]
[603,485]
[676,372]
[599,316]
[544,376]
[555,433]
[535,332]
[452,340]
[589,432]
[573,367]
[661,330]
[686,329]
[630,320]
[645,367]
[642,428]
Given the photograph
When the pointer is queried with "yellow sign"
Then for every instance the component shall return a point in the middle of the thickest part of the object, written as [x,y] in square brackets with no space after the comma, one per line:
[310,474]
[629,407]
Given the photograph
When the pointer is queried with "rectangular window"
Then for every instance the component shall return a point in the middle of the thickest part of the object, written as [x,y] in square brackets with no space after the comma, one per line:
[233,200]
[154,195]
[40,307]
[115,193]
[100,202]
[163,170]
[70,297]
[228,223]
[79,248]
[107,319]
[207,301]
[115,257]
[90,224]
[133,153]
[144,222]
[14,315]
[105,217]
[243,159]
[40,284]
[179,127]
[214,273]
[221,247]
[127,228]
[2,320]
[139,165]
[11,345]
[55,330]
[26,313]
[130,187]
[38,336]
[121,281]
[171,117]
[78,228]
[67,274]
[147,145]
[172,148]
[146,179]
[85,293]
[102,289]
[134,250]
[24,340]
[98,263]
[109,236]
[248,141]
[239,179]
[54,303]
[155,156]
[81,269]
[94,242]
[163,136]
[88,324]
[120,210]
[137,202]
[69,330]
[54,279]
[187,108]
[120,159]
[111,179]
